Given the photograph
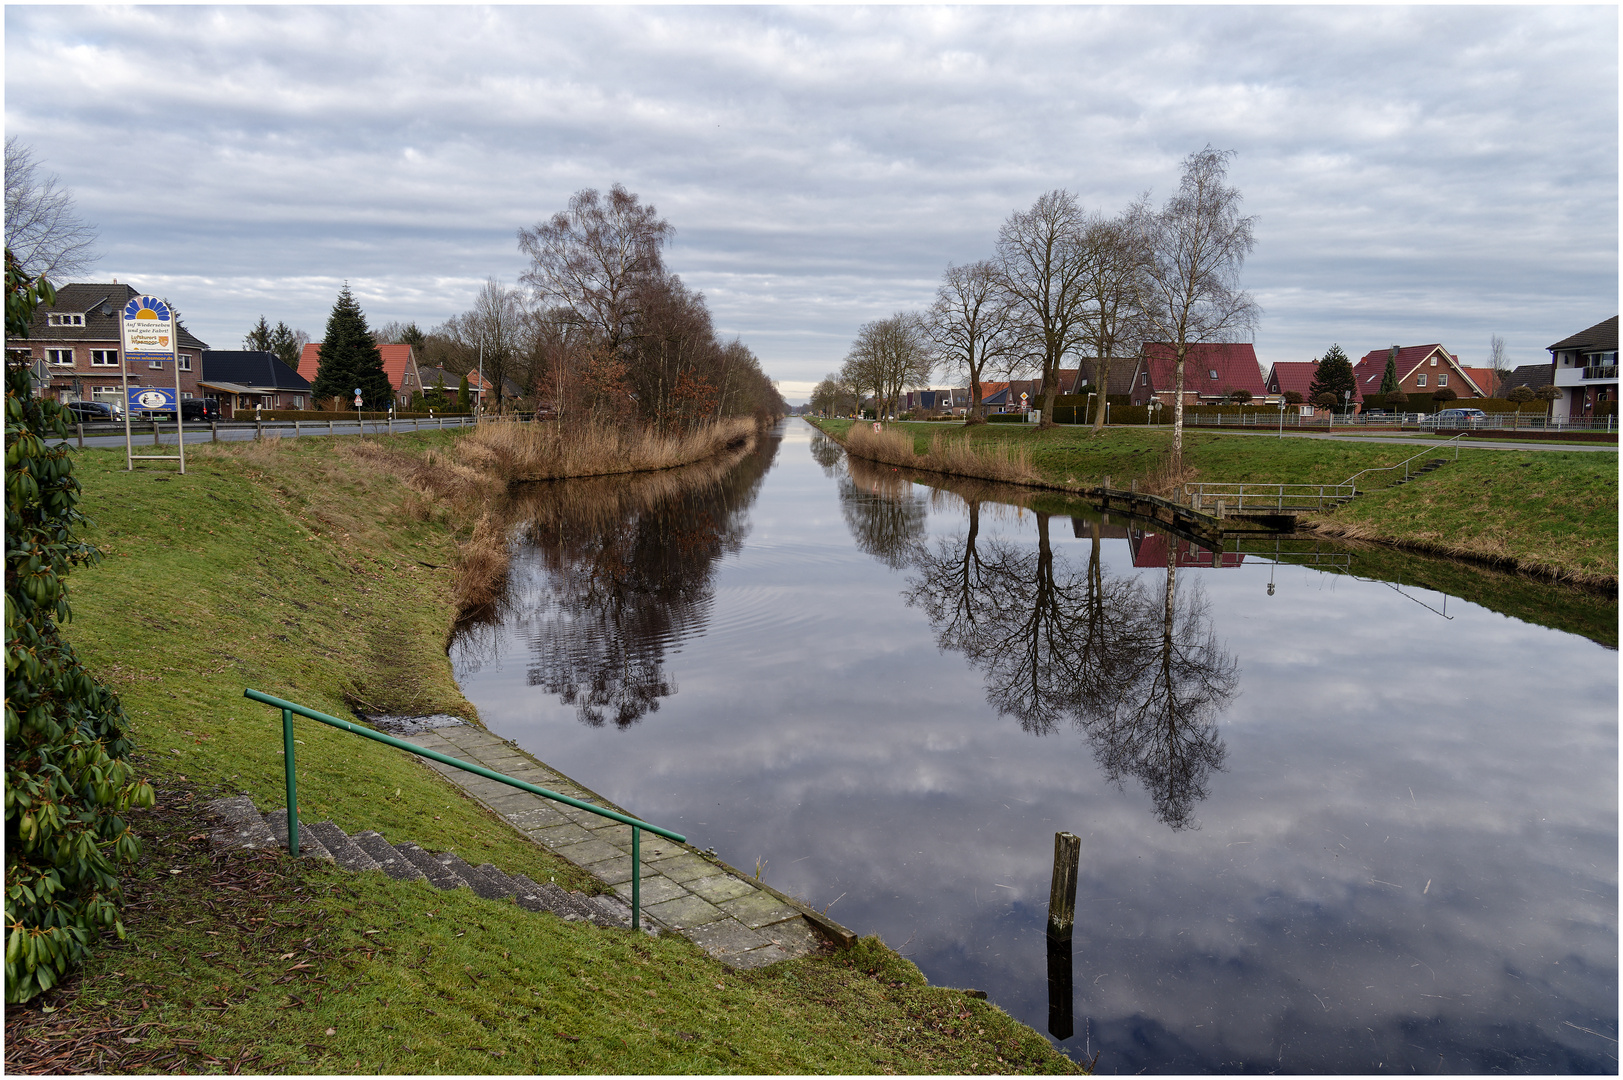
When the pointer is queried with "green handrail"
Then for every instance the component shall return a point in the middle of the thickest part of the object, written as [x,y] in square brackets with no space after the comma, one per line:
[289,708]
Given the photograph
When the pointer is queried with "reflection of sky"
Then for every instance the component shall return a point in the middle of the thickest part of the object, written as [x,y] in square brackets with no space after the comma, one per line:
[1408,861]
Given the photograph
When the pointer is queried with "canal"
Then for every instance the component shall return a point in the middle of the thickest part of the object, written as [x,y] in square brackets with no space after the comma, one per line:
[1330,821]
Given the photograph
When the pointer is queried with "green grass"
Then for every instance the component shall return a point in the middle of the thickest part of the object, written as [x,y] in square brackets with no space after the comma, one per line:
[1549,512]
[305,568]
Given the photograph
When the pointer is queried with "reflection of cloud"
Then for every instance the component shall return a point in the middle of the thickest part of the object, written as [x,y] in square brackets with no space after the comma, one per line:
[869,756]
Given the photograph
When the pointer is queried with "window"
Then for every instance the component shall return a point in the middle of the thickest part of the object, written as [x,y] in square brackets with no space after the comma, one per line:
[298,401]
[185,361]
[65,320]
[103,357]
[1213,373]
[60,357]
[1434,361]
[156,365]
[1421,381]
[1442,379]
[1144,379]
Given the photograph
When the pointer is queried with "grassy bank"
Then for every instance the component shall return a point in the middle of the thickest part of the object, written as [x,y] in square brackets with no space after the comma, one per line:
[311,569]
[1549,513]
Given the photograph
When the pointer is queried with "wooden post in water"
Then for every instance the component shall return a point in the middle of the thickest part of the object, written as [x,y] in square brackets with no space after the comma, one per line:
[1062,892]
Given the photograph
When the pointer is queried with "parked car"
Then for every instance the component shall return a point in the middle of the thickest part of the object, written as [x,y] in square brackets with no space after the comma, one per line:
[205,410]
[1458,418]
[91,411]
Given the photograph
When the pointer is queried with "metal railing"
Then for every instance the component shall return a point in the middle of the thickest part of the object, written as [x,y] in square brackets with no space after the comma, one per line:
[1352,480]
[289,708]
[1269,419]
[1601,371]
[1231,498]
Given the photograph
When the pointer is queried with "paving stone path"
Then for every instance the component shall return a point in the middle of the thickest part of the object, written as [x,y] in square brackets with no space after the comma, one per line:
[733,917]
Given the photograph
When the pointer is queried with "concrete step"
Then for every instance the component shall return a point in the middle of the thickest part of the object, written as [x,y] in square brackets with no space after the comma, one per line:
[388,860]
[309,846]
[344,850]
[438,874]
[486,885]
[240,824]
[558,900]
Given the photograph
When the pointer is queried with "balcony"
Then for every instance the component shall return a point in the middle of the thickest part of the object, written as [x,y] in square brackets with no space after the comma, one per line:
[1576,376]
[1606,371]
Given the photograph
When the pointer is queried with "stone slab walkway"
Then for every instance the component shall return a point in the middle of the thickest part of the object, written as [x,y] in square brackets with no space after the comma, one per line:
[733,917]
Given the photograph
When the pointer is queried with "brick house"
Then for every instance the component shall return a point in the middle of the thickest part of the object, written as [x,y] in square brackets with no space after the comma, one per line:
[1288,375]
[1421,370]
[1211,372]
[399,363]
[244,379]
[79,337]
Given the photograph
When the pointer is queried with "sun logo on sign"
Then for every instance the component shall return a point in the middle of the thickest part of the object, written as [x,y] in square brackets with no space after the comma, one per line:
[146,307]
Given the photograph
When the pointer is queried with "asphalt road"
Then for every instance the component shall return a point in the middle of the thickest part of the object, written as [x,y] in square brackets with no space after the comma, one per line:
[142,443]
[1465,443]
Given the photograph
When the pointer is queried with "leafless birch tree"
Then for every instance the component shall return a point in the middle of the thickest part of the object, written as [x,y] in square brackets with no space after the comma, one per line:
[1199,242]
[43,231]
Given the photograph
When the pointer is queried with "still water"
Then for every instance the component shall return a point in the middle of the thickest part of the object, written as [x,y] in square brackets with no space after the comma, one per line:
[1328,824]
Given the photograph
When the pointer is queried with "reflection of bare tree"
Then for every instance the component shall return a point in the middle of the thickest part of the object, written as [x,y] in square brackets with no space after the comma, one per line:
[826,452]
[1142,675]
[883,512]
[1168,738]
[627,571]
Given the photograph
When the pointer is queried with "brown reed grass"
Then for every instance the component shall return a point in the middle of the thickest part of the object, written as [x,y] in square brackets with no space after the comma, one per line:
[954,455]
[519,453]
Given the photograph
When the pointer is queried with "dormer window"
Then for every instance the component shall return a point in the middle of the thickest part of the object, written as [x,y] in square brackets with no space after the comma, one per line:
[1213,373]
[65,320]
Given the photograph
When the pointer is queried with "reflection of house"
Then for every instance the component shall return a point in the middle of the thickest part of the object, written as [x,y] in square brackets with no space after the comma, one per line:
[1585,369]
[243,379]
[1150,550]
[1421,370]
[1108,529]
[79,338]
[399,363]
[1211,372]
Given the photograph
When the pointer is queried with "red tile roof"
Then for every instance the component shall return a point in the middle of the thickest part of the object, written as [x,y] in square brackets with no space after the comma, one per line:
[1235,364]
[1295,375]
[1371,368]
[396,359]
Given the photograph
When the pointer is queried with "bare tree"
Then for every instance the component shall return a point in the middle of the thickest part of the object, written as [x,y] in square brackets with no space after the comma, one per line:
[1499,361]
[970,326]
[1199,243]
[1041,263]
[887,356]
[43,231]
[496,323]
[593,257]
[1114,275]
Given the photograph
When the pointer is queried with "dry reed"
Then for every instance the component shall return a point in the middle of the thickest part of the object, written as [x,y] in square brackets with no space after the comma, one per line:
[950,454]
[519,453]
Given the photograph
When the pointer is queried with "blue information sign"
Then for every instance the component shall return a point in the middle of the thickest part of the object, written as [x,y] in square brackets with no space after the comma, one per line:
[151,399]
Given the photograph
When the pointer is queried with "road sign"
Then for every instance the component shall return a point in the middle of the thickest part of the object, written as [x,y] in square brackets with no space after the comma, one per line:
[357,401]
[149,330]
[151,399]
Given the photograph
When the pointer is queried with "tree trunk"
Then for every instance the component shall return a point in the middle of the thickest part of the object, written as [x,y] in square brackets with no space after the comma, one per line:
[1177,411]
[1102,378]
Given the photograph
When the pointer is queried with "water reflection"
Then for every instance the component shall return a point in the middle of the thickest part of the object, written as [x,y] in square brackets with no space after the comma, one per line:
[622,569]
[1141,672]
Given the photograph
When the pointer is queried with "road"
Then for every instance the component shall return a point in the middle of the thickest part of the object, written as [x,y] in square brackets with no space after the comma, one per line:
[112,436]
[1401,440]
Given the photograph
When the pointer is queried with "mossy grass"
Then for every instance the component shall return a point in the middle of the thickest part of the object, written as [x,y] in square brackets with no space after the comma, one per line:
[1548,512]
[308,569]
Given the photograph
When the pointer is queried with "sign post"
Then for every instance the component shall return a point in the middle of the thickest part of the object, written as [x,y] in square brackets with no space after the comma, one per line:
[360,421]
[150,333]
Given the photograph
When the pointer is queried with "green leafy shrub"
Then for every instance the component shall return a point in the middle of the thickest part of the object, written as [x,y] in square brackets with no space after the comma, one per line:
[67,781]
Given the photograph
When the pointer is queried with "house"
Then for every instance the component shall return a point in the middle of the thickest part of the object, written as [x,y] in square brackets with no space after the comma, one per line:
[79,338]
[243,380]
[1150,551]
[1584,368]
[1421,371]
[1212,371]
[1531,376]
[399,363]
[1288,375]
[1085,374]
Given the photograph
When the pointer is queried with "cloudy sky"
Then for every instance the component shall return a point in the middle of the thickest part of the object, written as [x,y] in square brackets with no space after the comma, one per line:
[1417,174]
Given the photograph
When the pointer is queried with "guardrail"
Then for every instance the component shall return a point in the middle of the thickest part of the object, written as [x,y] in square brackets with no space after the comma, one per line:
[290,709]
[1264,419]
[1352,480]
[1280,498]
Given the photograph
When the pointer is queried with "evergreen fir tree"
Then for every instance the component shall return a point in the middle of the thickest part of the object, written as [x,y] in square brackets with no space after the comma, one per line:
[1389,380]
[286,345]
[1334,376]
[349,358]
[413,337]
[464,395]
[259,338]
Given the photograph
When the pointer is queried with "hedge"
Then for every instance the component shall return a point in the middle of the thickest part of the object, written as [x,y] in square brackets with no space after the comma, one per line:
[322,417]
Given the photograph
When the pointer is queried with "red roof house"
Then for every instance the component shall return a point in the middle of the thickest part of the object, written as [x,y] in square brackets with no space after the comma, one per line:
[398,363]
[1421,369]
[1298,375]
[1211,372]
